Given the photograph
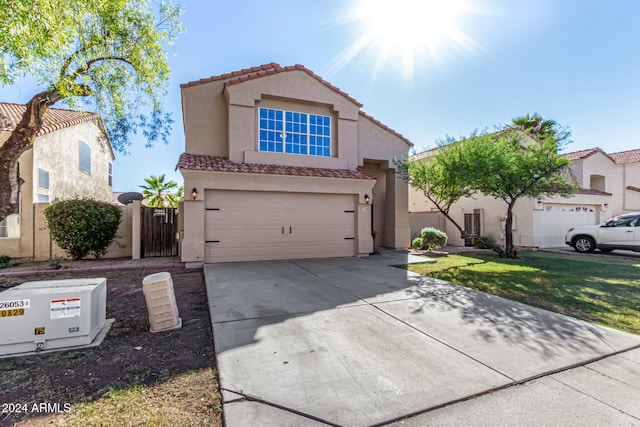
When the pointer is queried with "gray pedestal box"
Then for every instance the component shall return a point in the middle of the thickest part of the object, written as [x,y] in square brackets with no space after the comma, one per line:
[51,314]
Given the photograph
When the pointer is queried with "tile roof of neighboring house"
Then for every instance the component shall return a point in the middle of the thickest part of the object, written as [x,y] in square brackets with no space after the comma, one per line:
[54,118]
[221,164]
[583,154]
[593,192]
[629,156]
[264,70]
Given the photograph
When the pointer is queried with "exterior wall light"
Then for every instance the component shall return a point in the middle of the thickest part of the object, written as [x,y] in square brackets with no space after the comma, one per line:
[194,193]
[367,199]
[606,205]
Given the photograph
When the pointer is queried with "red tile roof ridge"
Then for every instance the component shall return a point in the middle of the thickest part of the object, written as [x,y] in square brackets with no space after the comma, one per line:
[204,162]
[54,118]
[233,74]
[591,191]
[628,156]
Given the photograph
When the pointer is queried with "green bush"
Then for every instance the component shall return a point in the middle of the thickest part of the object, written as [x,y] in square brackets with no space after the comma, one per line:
[433,238]
[83,226]
[417,243]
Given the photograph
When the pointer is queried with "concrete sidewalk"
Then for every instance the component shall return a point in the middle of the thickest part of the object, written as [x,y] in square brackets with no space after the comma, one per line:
[356,342]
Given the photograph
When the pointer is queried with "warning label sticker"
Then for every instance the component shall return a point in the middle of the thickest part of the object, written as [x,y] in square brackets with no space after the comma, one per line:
[65,308]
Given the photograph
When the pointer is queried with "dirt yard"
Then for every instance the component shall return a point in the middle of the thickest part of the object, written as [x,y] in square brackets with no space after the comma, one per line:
[134,377]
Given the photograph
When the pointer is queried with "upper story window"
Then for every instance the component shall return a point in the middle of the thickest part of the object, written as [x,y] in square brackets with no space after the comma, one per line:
[43,186]
[85,157]
[294,133]
[110,174]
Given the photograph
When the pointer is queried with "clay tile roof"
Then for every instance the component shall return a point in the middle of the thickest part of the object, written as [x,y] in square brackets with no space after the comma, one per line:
[583,154]
[630,156]
[221,164]
[276,68]
[54,118]
[593,192]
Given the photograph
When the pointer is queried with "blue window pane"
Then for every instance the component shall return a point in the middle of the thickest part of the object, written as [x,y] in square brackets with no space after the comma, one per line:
[279,115]
[289,127]
[289,115]
[263,146]
[263,113]
[279,147]
[326,152]
[271,114]
[278,125]
[326,121]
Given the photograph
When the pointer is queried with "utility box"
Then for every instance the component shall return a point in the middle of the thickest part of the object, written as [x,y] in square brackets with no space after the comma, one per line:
[51,314]
[161,302]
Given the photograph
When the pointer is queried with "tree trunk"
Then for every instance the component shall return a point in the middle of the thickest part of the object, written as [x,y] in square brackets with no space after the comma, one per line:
[509,251]
[21,140]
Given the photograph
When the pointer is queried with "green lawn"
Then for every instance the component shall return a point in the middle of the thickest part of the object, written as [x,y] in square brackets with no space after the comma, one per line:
[604,290]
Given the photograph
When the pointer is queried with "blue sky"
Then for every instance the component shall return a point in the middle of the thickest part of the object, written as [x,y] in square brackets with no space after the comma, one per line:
[574,61]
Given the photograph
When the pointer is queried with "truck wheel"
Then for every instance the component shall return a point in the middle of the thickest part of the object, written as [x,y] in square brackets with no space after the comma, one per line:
[584,244]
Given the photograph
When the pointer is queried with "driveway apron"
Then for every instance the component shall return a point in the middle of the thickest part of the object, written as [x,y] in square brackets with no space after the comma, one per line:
[357,342]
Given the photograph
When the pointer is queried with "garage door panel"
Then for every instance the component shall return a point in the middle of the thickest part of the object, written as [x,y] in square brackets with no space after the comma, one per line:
[274,225]
[556,220]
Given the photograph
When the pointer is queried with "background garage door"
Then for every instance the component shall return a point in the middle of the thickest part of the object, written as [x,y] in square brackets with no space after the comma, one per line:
[253,225]
[556,220]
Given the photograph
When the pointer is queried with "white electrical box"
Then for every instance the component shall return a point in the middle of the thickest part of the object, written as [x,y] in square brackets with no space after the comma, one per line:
[51,314]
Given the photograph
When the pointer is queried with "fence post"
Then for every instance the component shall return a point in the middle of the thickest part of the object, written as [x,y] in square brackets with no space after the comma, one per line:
[135,229]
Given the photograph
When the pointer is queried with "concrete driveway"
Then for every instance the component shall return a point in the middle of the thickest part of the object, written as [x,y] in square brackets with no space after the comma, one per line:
[357,342]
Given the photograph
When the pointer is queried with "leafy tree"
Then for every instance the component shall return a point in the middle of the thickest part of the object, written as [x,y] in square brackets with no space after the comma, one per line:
[157,192]
[83,226]
[108,53]
[519,161]
[517,165]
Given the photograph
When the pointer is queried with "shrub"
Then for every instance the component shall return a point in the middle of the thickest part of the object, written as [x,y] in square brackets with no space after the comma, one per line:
[417,243]
[433,238]
[83,226]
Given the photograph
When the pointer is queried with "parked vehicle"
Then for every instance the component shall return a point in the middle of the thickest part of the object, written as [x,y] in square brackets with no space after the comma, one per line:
[621,232]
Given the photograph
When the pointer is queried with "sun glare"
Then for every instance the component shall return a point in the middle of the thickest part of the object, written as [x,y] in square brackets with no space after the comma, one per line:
[402,32]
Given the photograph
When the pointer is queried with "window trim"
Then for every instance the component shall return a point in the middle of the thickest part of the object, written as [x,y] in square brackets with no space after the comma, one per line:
[283,123]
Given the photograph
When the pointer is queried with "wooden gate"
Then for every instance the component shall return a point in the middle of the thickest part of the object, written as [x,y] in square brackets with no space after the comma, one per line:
[159,234]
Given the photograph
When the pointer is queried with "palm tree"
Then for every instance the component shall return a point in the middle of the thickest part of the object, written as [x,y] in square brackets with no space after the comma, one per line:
[157,193]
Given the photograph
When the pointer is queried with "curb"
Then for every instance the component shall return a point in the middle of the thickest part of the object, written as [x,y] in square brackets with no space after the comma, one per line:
[92,270]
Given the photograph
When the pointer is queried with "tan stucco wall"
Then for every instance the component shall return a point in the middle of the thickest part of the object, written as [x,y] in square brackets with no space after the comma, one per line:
[631,177]
[58,153]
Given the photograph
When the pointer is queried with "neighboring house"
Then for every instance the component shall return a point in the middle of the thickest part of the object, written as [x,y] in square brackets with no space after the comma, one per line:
[610,186]
[285,165]
[71,157]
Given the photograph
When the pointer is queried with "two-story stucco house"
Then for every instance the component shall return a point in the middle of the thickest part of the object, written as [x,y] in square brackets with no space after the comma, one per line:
[610,185]
[284,165]
[71,157]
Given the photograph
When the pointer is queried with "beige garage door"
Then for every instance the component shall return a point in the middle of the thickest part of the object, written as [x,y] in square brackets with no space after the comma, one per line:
[253,225]
[556,220]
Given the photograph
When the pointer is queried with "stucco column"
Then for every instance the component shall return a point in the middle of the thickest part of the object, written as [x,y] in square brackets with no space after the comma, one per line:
[365,240]
[193,250]
[397,232]
[136,227]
